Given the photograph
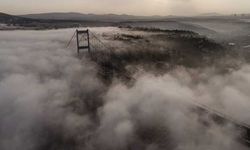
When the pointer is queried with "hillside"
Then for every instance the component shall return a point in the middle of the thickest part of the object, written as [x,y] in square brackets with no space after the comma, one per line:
[36,23]
[90,17]
[10,19]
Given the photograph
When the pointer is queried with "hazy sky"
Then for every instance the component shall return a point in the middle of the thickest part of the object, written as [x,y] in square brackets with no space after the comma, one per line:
[135,7]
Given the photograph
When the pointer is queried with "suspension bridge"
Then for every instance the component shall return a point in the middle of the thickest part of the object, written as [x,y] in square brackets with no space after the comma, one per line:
[89,42]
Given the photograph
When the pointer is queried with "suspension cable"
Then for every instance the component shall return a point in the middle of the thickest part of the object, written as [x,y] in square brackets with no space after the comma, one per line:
[107,46]
[67,46]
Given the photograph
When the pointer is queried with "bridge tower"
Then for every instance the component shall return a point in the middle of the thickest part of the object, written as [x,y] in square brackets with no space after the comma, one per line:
[83,43]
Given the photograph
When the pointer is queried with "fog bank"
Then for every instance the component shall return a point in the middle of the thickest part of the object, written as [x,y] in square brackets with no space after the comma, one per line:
[49,99]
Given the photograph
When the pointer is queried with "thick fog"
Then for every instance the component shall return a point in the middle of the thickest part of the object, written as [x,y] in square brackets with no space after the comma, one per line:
[39,78]
[50,99]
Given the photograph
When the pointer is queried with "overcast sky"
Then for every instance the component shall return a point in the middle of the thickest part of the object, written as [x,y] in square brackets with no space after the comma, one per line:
[133,7]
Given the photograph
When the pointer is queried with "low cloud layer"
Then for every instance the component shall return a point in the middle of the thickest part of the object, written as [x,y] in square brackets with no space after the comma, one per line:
[39,79]
[52,100]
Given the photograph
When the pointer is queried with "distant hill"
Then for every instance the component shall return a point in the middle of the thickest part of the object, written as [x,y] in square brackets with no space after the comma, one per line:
[10,19]
[90,17]
[72,20]
[36,23]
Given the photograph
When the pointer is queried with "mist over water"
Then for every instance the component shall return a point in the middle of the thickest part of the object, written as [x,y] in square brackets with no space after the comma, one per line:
[39,78]
[49,99]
